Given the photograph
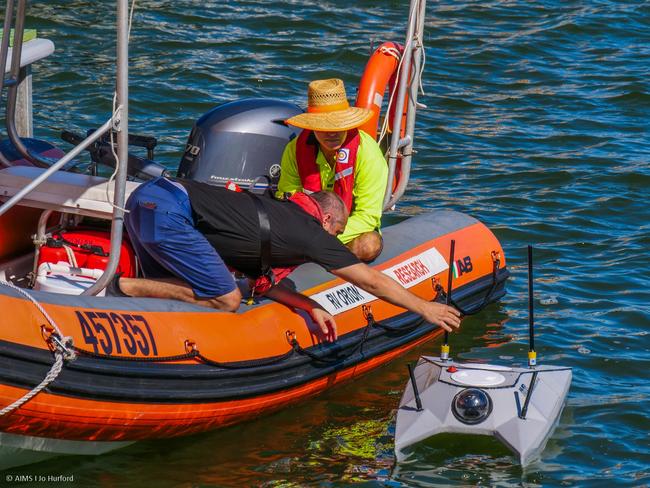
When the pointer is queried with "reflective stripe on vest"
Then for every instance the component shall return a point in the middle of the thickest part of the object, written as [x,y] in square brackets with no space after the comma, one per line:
[344,173]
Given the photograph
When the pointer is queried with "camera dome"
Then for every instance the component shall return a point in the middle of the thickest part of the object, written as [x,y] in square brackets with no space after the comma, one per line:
[471,406]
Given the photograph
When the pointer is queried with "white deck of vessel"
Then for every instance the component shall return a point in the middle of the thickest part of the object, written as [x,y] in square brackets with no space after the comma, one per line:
[63,191]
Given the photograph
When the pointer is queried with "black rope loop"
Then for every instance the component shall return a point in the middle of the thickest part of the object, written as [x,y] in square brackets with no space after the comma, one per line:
[390,328]
[192,353]
[367,313]
[161,359]
[252,363]
[291,337]
[297,348]
[442,294]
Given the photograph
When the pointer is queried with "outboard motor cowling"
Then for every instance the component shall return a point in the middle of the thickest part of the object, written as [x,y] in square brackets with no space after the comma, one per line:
[240,141]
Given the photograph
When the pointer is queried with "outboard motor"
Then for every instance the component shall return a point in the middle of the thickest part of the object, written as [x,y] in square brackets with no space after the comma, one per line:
[240,142]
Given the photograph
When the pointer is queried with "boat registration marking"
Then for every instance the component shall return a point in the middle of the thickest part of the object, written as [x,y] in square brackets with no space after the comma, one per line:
[117,333]
[407,273]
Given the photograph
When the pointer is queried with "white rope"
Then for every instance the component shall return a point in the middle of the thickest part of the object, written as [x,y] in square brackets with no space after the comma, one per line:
[391,51]
[131,19]
[72,259]
[49,378]
[117,160]
[424,61]
[424,56]
[384,127]
[36,304]
[60,354]
[395,52]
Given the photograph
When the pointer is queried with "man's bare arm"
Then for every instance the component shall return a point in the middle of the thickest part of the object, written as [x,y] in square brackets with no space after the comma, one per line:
[388,289]
[291,298]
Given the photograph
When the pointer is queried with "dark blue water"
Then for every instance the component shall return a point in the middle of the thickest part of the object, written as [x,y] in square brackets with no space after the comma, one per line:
[537,124]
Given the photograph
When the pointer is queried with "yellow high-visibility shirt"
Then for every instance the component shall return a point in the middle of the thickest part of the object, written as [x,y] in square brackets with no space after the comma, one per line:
[370,178]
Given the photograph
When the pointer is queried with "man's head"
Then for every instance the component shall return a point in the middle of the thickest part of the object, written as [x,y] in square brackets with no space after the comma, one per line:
[330,140]
[333,210]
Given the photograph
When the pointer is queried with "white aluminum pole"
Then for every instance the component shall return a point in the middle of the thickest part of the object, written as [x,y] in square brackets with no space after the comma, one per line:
[407,148]
[122,127]
[55,167]
[399,107]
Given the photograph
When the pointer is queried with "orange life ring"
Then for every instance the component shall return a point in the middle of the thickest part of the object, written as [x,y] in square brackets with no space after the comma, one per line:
[380,73]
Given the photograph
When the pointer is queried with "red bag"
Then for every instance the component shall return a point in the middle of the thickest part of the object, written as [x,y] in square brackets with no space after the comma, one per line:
[87,249]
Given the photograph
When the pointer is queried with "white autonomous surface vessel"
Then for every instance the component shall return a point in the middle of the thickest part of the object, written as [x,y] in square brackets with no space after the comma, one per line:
[519,406]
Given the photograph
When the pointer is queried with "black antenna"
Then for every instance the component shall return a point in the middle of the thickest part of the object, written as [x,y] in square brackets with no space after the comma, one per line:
[444,352]
[532,355]
[418,403]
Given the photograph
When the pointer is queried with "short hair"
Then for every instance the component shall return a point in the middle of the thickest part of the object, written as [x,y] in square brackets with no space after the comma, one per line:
[331,203]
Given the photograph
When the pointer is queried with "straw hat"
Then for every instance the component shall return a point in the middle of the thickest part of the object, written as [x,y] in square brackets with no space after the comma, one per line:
[328,108]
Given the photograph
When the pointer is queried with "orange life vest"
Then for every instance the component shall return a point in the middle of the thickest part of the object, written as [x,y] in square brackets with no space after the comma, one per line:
[346,159]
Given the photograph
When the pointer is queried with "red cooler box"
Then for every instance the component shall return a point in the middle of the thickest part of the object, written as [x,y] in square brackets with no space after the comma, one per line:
[90,249]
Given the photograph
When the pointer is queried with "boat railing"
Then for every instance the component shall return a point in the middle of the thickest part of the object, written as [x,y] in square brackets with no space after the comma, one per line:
[31,51]
[12,84]
[55,167]
[401,147]
[118,122]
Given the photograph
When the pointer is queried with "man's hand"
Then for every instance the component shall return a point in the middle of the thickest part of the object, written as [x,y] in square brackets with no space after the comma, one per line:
[319,315]
[443,315]
[325,321]
[386,288]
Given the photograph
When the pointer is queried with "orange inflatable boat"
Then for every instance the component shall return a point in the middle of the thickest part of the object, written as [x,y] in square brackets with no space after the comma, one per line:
[148,368]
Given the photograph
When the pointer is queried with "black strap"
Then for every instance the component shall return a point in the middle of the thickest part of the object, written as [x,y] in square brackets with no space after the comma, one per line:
[265,238]
[57,241]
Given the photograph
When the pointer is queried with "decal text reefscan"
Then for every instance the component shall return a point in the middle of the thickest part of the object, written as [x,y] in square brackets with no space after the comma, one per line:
[408,273]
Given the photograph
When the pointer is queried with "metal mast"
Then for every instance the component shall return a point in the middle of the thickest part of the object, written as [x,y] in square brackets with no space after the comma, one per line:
[121,126]
[409,79]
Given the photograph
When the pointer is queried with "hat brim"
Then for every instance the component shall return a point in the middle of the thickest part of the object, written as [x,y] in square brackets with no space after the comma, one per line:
[339,120]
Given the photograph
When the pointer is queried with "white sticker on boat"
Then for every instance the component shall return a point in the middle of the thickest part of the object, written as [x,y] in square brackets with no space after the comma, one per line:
[408,273]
